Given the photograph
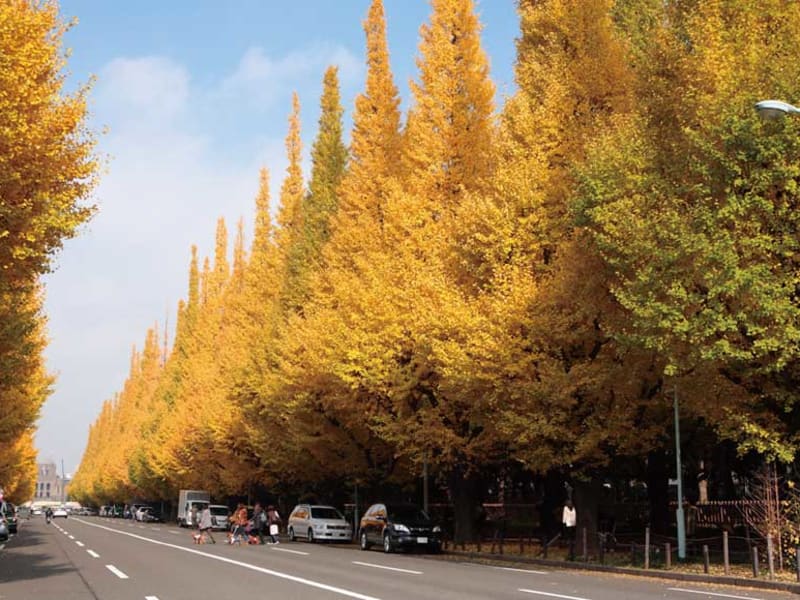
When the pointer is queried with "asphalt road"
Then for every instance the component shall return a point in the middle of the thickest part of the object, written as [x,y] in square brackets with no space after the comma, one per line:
[108,559]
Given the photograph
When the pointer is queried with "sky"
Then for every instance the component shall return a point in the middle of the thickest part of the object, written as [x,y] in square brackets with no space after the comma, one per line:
[191,98]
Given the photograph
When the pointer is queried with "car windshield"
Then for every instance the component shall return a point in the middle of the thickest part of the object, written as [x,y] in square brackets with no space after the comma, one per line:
[408,513]
[219,511]
[324,512]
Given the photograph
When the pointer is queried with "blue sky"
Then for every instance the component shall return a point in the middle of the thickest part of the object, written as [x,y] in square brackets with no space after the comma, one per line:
[194,97]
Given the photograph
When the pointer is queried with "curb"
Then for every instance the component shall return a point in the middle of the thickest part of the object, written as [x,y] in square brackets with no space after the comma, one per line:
[781,586]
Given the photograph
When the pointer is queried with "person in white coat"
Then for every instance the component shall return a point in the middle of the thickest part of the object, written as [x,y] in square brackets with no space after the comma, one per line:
[569,520]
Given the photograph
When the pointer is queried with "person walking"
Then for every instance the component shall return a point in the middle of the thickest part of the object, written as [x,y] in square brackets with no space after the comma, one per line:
[239,525]
[259,522]
[274,521]
[569,520]
[206,524]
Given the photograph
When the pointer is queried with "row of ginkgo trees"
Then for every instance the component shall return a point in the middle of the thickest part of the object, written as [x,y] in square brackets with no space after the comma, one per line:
[47,173]
[475,290]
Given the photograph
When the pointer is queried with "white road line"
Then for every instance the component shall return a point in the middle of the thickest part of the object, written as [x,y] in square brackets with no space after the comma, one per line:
[292,551]
[521,570]
[72,537]
[116,571]
[363,564]
[80,544]
[281,575]
[93,554]
[551,594]
[175,532]
[151,598]
[711,594]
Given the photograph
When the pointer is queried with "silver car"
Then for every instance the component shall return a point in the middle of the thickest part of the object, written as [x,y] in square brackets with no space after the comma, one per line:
[317,522]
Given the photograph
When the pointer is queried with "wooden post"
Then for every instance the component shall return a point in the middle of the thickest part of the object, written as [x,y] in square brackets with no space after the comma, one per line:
[705,559]
[770,557]
[755,561]
[726,559]
[667,556]
[646,547]
[480,546]
[585,547]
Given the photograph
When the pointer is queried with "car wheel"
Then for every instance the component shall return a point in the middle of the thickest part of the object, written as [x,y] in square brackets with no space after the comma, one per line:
[364,543]
[292,537]
[387,544]
[310,535]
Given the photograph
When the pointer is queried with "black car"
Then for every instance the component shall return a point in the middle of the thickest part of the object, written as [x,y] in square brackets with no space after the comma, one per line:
[398,526]
[9,512]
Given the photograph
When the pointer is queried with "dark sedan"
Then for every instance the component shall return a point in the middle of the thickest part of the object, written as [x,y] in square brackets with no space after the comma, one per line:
[9,512]
[396,526]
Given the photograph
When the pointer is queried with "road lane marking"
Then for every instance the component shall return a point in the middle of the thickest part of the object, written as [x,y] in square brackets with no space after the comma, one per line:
[291,551]
[521,570]
[93,554]
[711,594]
[279,574]
[550,594]
[79,544]
[175,532]
[116,571]
[151,598]
[363,564]
[72,537]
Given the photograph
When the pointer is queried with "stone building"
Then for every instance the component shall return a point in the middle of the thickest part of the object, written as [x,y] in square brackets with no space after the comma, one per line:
[50,486]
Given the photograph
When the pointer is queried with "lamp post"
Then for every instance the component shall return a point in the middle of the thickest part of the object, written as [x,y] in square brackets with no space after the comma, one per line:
[679,510]
[773,109]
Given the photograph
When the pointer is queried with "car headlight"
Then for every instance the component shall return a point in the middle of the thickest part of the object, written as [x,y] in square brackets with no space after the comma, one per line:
[319,526]
[437,529]
[400,528]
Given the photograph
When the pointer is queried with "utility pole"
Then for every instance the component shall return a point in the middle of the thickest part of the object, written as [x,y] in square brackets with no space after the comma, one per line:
[679,510]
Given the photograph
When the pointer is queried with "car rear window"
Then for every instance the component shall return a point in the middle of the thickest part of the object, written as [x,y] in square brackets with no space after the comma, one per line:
[219,511]
[325,513]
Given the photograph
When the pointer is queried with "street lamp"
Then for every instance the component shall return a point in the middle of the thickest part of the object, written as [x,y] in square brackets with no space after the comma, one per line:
[679,510]
[773,109]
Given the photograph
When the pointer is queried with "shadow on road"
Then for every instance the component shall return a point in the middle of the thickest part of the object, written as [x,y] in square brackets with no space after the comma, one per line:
[29,555]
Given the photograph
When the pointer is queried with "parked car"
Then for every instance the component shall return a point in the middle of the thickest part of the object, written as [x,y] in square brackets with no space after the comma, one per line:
[9,512]
[137,511]
[318,522]
[149,514]
[398,526]
[3,529]
[220,516]
[60,511]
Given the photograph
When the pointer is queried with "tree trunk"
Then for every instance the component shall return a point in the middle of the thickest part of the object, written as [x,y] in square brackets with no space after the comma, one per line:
[587,507]
[464,493]
[658,491]
[552,501]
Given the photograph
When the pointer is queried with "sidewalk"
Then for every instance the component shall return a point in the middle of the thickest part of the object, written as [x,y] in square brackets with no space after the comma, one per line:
[32,565]
[673,574]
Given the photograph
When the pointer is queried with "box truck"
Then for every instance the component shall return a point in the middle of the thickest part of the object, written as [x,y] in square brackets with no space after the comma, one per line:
[187,499]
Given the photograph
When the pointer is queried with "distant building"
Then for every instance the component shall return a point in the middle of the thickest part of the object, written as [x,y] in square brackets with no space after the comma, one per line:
[50,486]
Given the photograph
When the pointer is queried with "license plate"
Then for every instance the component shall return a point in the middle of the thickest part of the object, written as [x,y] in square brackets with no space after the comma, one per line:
[422,540]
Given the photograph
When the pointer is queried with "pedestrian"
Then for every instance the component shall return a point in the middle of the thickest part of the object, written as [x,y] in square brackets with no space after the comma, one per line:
[274,521]
[193,516]
[569,520]
[206,524]
[259,522]
[239,524]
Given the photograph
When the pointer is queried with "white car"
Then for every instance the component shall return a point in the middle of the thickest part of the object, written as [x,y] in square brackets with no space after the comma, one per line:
[316,522]
[60,511]
[220,515]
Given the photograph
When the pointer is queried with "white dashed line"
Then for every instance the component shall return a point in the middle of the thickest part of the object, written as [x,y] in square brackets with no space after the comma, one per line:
[80,544]
[72,537]
[551,595]
[292,551]
[93,554]
[116,571]
[363,564]
[301,580]
[175,532]
[711,594]
[521,570]
[151,598]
